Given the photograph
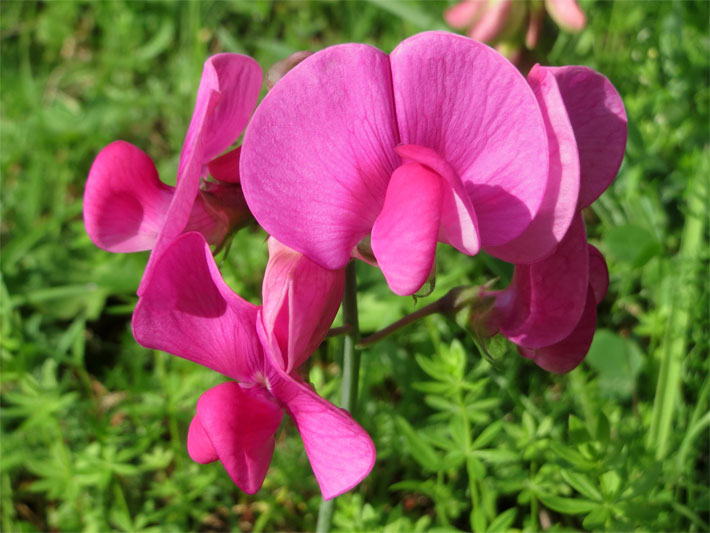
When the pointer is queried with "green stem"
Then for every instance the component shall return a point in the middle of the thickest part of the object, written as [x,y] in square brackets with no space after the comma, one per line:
[453,300]
[351,356]
[351,368]
[673,346]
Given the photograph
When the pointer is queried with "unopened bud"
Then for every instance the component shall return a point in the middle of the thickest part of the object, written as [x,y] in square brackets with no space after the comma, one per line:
[225,201]
[279,69]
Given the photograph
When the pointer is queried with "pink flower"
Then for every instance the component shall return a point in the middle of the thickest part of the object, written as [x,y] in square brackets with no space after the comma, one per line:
[188,310]
[442,140]
[549,309]
[126,206]
[501,20]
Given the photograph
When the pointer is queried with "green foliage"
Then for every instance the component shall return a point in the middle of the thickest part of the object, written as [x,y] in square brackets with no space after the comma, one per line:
[93,427]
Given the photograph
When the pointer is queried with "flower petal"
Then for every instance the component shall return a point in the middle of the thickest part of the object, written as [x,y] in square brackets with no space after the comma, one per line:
[301,299]
[240,423]
[559,203]
[545,300]
[340,451]
[319,151]
[226,167]
[187,309]
[228,91]
[471,106]
[199,445]
[463,14]
[567,14]
[405,232]
[493,22]
[566,354]
[598,118]
[598,274]
[124,202]
[459,226]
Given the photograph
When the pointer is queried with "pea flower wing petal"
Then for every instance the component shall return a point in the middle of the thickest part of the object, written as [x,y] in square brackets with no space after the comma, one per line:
[187,309]
[124,200]
[239,424]
[341,453]
[567,353]
[545,300]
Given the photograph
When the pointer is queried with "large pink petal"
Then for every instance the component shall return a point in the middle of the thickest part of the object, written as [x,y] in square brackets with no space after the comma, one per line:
[405,232]
[240,424]
[567,14]
[470,105]
[187,309]
[340,451]
[319,151]
[124,201]
[459,226]
[301,299]
[559,203]
[566,354]
[598,118]
[228,91]
[545,300]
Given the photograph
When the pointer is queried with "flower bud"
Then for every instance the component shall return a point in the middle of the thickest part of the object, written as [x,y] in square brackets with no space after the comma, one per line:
[279,69]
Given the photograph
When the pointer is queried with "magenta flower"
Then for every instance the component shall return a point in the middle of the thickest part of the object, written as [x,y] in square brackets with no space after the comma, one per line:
[549,309]
[126,206]
[442,140]
[188,310]
[501,20]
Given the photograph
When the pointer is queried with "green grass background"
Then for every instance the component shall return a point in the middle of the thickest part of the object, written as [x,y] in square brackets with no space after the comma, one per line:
[94,426]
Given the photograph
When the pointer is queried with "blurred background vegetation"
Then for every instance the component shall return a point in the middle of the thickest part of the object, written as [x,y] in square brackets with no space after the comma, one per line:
[94,426]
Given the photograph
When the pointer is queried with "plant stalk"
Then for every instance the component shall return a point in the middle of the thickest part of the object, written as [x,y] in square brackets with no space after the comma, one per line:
[452,301]
[351,372]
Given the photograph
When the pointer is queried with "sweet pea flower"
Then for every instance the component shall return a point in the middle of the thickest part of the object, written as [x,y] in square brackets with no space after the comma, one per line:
[188,310]
[549,308]
[126,206]
[442,140]
[501,21]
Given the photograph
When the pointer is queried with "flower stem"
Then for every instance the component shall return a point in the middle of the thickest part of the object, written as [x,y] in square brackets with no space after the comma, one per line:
[453,300]
[351,369]
[351,356]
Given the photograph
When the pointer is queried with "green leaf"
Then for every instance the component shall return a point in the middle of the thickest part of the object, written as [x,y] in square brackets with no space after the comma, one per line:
[497,455]
[420,449]
[434,368]
[487,435]
[582,484]
[631,244]
[596,518]
[568,505]
[572,456]
[478,519]
[617,363]
[503,521]
[610,483]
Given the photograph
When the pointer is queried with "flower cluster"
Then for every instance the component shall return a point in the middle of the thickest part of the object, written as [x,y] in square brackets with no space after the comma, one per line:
[508,24]
[358,154]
